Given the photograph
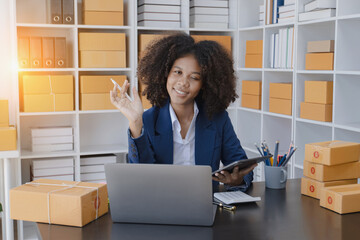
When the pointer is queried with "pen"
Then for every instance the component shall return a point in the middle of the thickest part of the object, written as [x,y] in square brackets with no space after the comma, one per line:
[225,206]
[276,152]
[288,158]
[118,86]
[258,149]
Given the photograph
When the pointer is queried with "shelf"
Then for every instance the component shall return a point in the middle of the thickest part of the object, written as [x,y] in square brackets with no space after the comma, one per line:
[99,111]
[45,25]
[315,71]
[81,26]
[9,154]
[211,30]
[277,115]
[104,69]
[161,29]
[46,69]
[251,28]
[332,19]
[327,124]
[250,69]
[348,72]
[355,127]
[103,149]
[352,16]
[279,25]
[27,154]
[278,69]
[249,110]
[46,113]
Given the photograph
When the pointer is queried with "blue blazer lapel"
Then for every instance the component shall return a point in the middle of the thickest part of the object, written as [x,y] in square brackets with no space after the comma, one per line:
[204,140]
[164,136]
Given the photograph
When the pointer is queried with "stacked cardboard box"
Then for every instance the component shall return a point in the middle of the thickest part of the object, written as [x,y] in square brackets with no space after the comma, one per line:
[103,12]
[59,202]
[52,139]
[318,101]
[224,41]
[95,91]
[159,13]
[320,55]
[92,168]
[102,50]
[328,164]
[251,94]
[280,100]
[7,133]
[209,14]
[318,9]
[254,52]
[59,169]
[47,93]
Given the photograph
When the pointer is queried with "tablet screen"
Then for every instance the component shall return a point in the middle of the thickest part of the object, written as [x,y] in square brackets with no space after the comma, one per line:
[244,163]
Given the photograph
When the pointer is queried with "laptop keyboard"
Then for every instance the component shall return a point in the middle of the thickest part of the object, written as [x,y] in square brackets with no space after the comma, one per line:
[235,197]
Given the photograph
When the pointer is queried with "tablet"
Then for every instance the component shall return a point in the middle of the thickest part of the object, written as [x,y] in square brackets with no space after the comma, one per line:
[244,163]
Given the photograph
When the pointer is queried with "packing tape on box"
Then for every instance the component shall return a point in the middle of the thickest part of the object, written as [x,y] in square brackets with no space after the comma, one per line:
[67,186]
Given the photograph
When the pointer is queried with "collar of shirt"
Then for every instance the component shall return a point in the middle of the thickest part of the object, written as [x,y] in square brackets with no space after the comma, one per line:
[190,135]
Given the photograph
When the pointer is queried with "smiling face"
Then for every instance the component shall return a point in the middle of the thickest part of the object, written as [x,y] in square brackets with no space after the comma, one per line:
[184,81]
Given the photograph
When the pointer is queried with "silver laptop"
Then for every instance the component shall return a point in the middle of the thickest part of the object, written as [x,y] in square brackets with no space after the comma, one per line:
[160,194]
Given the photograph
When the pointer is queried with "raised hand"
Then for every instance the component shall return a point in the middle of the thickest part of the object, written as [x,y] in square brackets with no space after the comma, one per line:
[133,110]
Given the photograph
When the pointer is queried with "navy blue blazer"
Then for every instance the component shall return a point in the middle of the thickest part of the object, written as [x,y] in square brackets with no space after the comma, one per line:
[215,141]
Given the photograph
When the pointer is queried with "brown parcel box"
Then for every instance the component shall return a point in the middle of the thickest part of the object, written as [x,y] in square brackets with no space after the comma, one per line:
[320,46]
[70,203]
[102,41]
[316,111]
[49,102]
[251,87]
[254,47]
[145,102]
[96,101]
[319,61]
[341,199]
[312,188]
[4,113]
[331,173]
[281,90]
[280,106]
[332,152]
[251,101]
[318,92]
[8,138]
[253,60]
[99,83]
[103,59]
[224,41]
[103,18]
[103,5]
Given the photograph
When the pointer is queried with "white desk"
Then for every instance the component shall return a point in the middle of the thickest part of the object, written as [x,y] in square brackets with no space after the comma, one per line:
[7,223]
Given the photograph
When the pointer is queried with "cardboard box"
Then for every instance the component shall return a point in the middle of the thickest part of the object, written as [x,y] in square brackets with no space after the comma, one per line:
[52,171]
[332,152]
[281,90]
[251,101]
[316,111]
[52,163]
[102,59]
[48,103]
[100,159]
[8,138]
[145,102]
[319,61]
[251,87]
[331,173]
[320,46]
[253,60]
[4,113]
[254,47]
[46,84]
[52,140]
[319,92]
[280,106]
[224,41]
[89,41]
[146,39]
[312,188]
[51,131]
[99,83]
[103,5]
[103,18]
[341,199]
[74,206]
[96,101]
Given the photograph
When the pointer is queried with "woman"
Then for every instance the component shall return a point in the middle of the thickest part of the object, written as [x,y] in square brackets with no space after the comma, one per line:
[190,85]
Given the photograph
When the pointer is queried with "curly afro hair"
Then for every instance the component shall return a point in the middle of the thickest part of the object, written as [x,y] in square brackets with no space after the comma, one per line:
[217,73]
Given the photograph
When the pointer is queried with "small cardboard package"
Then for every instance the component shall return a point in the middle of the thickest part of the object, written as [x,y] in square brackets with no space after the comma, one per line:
[102,41]
[59,202]
[103,5]
[319,61]
[253,61]
[254,47]
[280,90]
[103,59]
[251,87]
[331,173]
[224,41]
[96,101]
[316,111]
[8,138]
[4,113]
[251,101]
[312,188]
[280,106]
[103,18]
[99,83]
[318,92]
[341,199]
[332,152]
[320,46]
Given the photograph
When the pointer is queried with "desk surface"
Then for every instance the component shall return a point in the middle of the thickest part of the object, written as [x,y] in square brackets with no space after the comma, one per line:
[281,214]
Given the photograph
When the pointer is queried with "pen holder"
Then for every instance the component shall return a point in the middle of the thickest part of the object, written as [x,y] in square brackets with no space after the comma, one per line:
[275,177]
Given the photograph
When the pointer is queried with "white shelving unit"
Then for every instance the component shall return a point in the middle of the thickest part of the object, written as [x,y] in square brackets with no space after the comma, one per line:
[101,132]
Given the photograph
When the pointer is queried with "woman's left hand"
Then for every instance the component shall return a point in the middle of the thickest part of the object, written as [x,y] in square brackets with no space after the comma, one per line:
[235,178]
